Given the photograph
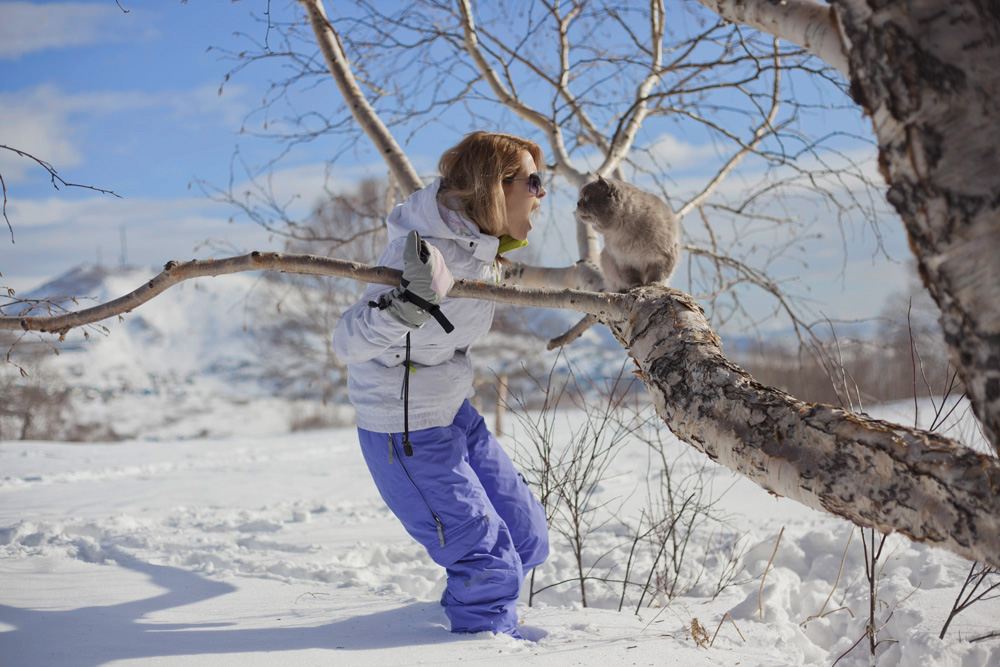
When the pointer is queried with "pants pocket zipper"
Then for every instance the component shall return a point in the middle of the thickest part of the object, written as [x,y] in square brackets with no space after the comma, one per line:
[437,520]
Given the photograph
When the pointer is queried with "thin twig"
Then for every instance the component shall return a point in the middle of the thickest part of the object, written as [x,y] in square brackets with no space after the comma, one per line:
[54,176]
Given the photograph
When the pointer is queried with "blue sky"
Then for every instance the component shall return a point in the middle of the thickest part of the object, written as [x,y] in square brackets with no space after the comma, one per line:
[130,102]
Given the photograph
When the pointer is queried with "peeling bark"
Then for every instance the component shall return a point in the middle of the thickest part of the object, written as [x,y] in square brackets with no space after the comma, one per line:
[927,74]
[868,471]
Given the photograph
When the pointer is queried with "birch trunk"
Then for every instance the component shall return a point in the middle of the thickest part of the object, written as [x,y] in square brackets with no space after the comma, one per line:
[927,72]
[870,472]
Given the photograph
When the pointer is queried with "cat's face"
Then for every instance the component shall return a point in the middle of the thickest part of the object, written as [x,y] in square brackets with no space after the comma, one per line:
[597,204]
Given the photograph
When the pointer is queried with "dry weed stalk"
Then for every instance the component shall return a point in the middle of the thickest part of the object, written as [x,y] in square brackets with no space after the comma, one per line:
[760,594]
[721,620]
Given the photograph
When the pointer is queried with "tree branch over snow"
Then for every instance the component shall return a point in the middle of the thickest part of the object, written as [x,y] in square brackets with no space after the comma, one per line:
[870,472]
[176,272]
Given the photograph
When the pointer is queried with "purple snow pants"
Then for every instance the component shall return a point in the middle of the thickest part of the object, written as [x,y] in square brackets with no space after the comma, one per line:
[461,498]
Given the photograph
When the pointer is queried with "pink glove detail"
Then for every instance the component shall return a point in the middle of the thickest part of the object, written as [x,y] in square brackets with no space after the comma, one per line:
[441,279]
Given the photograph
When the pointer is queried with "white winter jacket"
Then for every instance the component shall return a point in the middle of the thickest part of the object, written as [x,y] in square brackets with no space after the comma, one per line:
[373,344]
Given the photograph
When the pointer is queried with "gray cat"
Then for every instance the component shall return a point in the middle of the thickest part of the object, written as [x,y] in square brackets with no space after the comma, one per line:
[642,240]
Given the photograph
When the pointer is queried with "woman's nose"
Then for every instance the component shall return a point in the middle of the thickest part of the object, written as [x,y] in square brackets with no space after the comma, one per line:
[541,192]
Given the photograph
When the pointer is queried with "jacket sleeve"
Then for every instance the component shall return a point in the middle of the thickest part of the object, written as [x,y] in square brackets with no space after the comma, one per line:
[363,332]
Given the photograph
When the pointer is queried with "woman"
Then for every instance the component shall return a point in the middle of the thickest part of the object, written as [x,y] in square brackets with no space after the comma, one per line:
[435,463]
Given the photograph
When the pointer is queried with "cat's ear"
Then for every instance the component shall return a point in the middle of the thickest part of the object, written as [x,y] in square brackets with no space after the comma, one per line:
[601,179]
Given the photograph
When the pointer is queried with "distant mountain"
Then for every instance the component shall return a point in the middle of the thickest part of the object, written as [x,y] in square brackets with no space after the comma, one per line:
[198,327]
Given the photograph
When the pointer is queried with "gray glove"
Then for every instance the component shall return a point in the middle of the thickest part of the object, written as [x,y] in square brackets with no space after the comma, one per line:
[425,281]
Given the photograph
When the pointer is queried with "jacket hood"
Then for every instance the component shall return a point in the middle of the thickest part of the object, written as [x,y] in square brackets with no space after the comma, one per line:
[421,212]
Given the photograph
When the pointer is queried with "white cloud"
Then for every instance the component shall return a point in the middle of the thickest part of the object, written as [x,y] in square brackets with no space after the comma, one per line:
[27,27]
[33,123]
[56,233]
[48,123]
[40,121]
[669,152]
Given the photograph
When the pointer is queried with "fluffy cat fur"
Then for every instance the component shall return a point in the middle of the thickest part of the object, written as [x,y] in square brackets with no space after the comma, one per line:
[642,240]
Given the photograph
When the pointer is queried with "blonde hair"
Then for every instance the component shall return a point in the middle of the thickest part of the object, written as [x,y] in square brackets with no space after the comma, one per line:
[472,173]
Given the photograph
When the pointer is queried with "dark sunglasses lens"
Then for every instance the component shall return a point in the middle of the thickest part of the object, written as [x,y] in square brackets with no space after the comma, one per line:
[534,183]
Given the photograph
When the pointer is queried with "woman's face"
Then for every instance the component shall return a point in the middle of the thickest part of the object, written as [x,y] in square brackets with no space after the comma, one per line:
[520,202]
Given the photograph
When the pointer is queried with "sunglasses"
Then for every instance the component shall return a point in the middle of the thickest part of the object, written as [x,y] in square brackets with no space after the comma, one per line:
[534,182]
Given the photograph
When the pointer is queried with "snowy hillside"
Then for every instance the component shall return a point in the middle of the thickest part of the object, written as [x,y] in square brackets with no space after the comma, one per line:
[182,365]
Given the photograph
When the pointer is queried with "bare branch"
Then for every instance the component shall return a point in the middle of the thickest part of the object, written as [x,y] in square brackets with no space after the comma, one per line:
[629,124]
[808,23]
[554,132]
[54,176]
[762,131]
[361,109]
[173,272]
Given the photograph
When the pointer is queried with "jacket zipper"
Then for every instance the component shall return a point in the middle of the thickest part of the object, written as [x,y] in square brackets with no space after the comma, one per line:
[437,520]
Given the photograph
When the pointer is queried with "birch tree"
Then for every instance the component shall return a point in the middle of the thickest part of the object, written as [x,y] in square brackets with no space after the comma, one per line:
[923,72]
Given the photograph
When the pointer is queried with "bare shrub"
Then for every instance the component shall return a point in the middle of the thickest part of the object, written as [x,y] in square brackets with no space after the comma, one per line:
[35,404]
[295,341]
[678,538]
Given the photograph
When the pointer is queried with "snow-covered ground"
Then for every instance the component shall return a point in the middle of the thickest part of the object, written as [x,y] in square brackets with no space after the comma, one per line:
[214,536]
[277,550]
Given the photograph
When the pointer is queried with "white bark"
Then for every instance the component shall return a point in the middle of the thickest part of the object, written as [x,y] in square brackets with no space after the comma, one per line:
[365,116]
[925,73]
[807,23]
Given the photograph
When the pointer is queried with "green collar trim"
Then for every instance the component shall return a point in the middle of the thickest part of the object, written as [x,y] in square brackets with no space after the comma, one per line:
[508,242]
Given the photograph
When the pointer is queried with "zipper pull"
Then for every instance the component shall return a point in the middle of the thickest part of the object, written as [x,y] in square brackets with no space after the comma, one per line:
[390,449]
[440,530]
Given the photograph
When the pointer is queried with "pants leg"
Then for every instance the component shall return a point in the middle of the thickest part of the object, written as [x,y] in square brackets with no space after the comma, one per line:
[507,489]
[442,504]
